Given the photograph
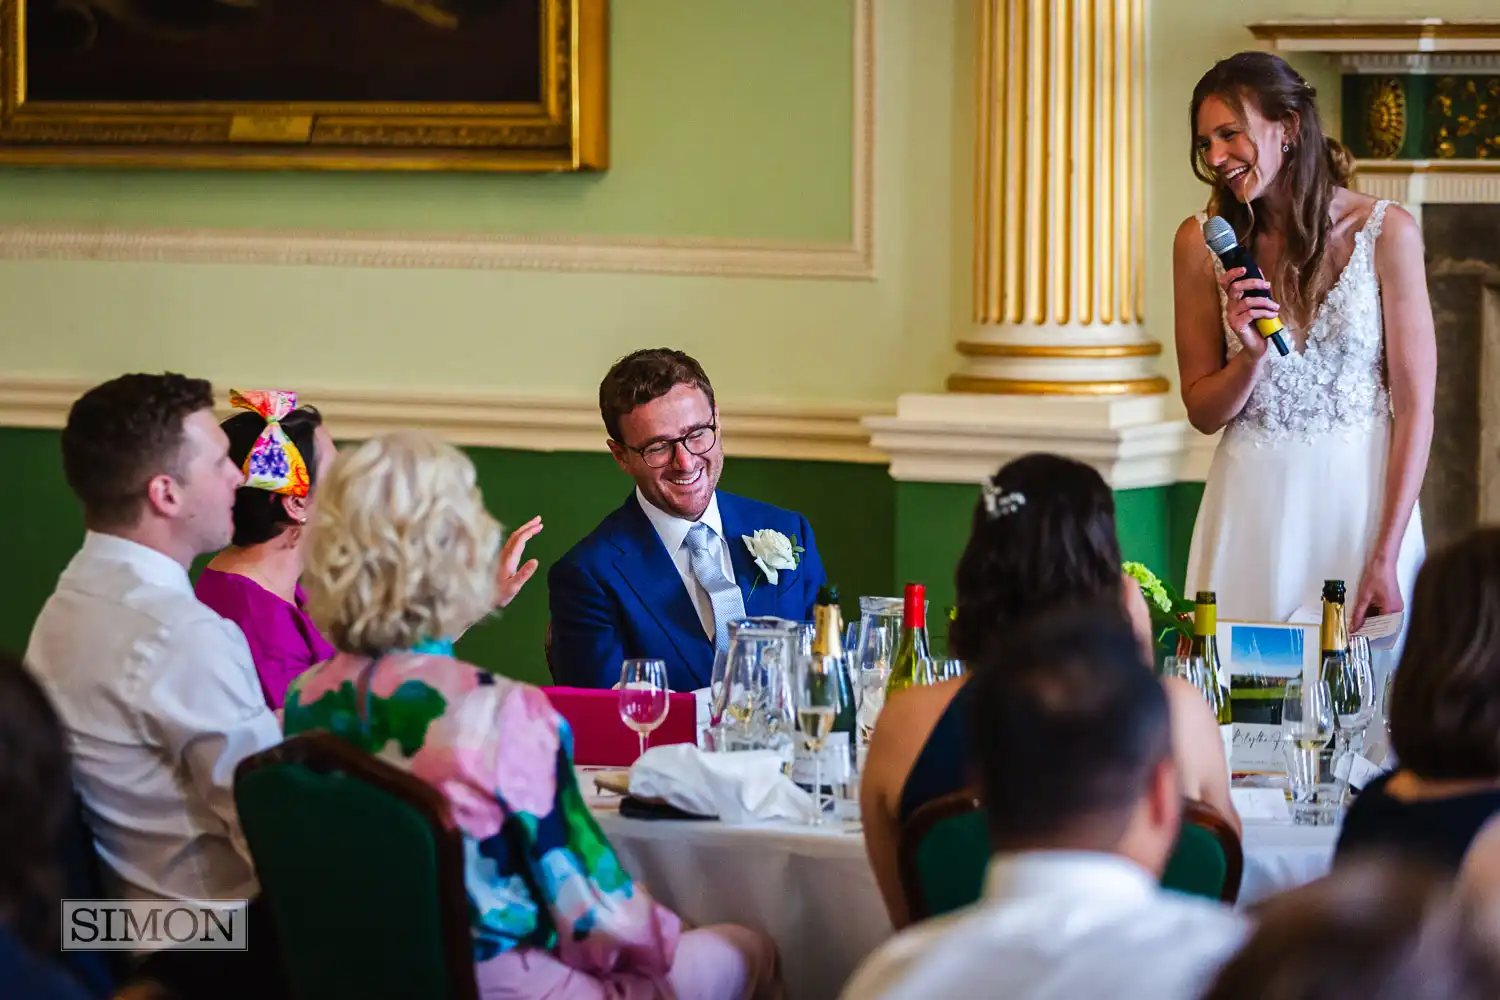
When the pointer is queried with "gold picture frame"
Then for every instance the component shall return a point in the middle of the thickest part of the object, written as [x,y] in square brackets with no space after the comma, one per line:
[541,109]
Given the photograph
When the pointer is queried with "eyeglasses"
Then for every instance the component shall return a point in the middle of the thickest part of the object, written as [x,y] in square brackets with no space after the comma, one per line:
[698,441]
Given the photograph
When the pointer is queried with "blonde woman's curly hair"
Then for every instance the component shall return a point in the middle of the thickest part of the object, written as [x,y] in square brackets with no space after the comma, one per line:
[401,549]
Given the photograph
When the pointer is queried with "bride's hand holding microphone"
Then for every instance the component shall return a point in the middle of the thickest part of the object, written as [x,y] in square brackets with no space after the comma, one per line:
[1242,310]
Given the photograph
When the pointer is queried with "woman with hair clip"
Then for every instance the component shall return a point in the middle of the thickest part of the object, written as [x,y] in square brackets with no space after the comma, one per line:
[1324,449]
[1043,538]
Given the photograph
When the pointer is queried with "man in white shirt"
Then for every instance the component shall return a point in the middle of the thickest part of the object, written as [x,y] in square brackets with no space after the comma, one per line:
[1081,796]
[157,692]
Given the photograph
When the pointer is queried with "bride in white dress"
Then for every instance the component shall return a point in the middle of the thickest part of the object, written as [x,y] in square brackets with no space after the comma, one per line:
[1317,473]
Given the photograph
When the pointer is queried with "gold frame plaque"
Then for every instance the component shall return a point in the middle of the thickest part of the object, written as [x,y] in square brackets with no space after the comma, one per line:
[566,130]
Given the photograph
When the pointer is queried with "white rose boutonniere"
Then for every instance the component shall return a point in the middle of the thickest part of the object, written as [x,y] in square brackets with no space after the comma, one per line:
[773,552]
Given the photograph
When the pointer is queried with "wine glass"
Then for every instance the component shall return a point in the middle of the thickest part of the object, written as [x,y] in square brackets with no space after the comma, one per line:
[643,696]
[938,671]
[1307,724]
[817,700]
[1353,688]
[1194,670]
[874,660]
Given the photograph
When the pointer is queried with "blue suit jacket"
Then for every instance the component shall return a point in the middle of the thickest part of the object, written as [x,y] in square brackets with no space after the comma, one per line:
[617,595]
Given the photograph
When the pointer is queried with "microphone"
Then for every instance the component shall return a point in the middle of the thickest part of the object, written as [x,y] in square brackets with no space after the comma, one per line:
[1221,240]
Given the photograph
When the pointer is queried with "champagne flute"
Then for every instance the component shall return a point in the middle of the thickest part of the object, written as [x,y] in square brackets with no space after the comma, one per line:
[817,700]
[643,696]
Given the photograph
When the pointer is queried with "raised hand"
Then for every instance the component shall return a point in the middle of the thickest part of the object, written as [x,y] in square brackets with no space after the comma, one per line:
[512,574]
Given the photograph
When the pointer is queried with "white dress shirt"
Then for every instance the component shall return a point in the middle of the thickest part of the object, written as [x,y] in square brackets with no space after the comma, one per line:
[1059,926]
[673,531]
[160,701]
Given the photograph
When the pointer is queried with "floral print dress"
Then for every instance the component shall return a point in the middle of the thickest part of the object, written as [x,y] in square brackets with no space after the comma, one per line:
[538,870]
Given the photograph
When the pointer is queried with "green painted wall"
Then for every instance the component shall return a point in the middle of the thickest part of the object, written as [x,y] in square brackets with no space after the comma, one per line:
[932,528]
[851,509]
[874,534]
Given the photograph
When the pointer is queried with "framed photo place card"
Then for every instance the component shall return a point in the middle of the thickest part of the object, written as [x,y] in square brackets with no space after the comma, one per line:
[1260,658]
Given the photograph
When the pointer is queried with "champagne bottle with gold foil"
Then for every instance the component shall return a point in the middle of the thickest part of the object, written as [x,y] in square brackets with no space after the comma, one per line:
[1206,644]
[828,641]
[913,650]
[1333,638]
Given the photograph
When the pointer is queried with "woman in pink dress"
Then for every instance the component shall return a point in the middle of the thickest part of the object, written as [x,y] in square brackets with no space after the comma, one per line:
[285,450]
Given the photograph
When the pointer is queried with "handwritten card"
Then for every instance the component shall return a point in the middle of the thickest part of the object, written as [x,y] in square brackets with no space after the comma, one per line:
[1257,750]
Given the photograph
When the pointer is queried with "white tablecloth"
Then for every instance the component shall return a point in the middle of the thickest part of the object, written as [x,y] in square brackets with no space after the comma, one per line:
[1281,856]
[810,888]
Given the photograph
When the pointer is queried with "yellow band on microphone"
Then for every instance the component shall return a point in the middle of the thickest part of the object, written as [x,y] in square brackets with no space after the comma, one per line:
[1269,326]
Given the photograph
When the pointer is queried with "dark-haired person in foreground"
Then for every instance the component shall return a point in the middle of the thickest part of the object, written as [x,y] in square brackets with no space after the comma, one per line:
[157,692]
[35,796]
[1444,717]
[664,575]
[1072,738]
[1383,930]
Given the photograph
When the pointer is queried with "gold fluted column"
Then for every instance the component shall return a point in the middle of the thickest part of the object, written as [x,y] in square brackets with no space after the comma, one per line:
[1059,208]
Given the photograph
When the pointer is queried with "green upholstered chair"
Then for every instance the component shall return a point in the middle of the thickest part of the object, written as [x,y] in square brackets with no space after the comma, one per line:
[944,850]
[362,869]
[1208,860]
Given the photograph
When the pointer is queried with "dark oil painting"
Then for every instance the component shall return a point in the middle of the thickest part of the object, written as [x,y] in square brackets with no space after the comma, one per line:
[323,51]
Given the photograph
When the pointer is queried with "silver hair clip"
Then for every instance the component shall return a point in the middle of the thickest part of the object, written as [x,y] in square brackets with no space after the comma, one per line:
[997,504]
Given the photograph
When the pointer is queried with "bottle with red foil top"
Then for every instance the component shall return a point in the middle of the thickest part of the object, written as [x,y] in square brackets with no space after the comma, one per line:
[913,651]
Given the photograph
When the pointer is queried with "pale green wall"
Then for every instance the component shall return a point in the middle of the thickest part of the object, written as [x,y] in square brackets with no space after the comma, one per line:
[1185,37]
[730,119]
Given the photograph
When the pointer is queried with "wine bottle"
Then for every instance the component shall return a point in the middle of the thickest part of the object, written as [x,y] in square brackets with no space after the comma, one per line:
[828,641]
[1206,644]
[1333,637]
[913,650]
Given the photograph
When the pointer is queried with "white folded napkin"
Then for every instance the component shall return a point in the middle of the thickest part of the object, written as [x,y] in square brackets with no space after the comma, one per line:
[738,787]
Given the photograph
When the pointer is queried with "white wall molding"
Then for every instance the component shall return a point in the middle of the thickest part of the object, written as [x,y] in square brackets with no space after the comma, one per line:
[710,257]
[752,429]
[964,438]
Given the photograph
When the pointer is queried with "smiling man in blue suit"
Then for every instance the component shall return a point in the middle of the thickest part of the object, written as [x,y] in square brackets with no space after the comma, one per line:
[663,575]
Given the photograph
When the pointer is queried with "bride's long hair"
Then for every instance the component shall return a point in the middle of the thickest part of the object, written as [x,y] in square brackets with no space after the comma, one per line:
[1314,168]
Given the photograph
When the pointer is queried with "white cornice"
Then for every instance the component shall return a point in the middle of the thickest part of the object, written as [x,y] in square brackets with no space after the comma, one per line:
[964,438]
[853,259]
[752,429]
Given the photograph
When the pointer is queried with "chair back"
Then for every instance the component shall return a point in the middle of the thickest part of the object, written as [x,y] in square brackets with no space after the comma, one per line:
[942,853]
[363,871]
[601,739]
[1208,859]
[944,850]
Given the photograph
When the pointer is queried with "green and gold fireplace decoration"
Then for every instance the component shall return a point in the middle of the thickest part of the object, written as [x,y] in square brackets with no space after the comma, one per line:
[1422,116]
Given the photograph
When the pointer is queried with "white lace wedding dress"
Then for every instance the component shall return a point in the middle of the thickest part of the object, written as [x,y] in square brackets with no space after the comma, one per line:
[1295,491]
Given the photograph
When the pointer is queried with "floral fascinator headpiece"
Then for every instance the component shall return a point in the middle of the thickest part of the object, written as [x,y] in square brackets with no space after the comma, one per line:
[999,503]
[274,463]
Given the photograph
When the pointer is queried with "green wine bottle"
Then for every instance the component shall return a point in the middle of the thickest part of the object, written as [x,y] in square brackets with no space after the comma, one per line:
[1206,644]
[913,650]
